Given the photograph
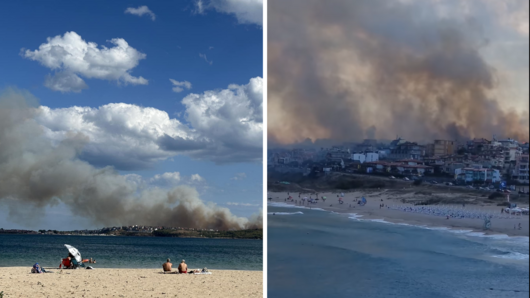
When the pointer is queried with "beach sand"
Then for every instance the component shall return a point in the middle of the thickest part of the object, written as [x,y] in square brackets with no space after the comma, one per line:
[392,198]
[19,282]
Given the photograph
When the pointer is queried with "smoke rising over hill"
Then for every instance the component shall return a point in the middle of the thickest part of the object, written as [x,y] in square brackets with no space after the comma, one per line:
[35,173]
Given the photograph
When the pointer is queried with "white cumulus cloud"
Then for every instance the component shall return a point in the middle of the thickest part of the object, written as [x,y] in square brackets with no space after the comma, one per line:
[120,134]
[71,58]
[65,82]
[239,176]
[197,178]
[180,86]
[222,126]
[230,119]
[140,11]
[246,11]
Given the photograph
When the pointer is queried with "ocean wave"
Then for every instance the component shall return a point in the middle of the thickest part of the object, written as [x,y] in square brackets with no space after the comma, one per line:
[381,221]
[468,233]
[512,256]
[285,205]
[355,216]
[285,213]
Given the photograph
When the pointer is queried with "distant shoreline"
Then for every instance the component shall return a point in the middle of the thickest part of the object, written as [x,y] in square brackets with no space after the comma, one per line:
[254,234]
[144,236]
[372,212]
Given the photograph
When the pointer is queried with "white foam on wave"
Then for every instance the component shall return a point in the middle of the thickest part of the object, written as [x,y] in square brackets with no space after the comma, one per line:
[403,224]
[470,233]
[381,221]
[355,216]
[436,228]
[285,213]
[317,209]
[285,205]
[459,231]
[513,256]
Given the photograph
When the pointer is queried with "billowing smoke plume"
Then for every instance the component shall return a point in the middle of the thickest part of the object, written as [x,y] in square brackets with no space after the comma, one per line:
[339,69]
[35,173]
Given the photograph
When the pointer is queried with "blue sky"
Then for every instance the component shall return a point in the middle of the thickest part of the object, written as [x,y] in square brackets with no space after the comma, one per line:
[212,50]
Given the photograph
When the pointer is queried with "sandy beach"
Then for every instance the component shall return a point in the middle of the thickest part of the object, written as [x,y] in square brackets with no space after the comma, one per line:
[19,282]
[392,197]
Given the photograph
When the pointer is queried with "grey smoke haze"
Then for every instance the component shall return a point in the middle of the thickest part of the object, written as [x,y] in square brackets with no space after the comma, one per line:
[349,70]
[35,173]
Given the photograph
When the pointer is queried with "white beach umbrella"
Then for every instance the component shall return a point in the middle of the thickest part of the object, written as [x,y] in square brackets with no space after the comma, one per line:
[74,252]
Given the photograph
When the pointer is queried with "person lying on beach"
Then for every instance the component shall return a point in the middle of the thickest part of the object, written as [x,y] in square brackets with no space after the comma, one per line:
[167,266]
[91,261]
[183,268]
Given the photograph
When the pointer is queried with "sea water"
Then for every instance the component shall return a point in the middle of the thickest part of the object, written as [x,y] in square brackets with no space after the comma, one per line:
[315,253]
[132,252]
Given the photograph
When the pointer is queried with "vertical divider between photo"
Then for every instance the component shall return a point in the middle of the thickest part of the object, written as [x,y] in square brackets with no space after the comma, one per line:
[265,148]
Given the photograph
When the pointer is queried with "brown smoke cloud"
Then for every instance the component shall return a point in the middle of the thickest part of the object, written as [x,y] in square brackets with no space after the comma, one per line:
[349,70]
[35,173]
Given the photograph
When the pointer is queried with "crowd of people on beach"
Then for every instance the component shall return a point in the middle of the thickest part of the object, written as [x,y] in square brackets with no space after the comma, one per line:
[444,211]
[70,262]
[454,212]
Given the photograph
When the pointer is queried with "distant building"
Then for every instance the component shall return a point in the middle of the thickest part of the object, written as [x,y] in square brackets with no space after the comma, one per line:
[477,145]
[429,150]
[338,154]
[365,157]
[443,147]
[477,174]
[520,172]
[406,150]
[395,143]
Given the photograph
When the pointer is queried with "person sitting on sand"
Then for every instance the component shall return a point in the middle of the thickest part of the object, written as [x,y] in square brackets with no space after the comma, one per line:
[167,266]
[37,269]
[75,264]
[183,268]
[66,263]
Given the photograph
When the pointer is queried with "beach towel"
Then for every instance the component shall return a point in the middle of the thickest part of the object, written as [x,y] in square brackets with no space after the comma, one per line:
[203,272]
